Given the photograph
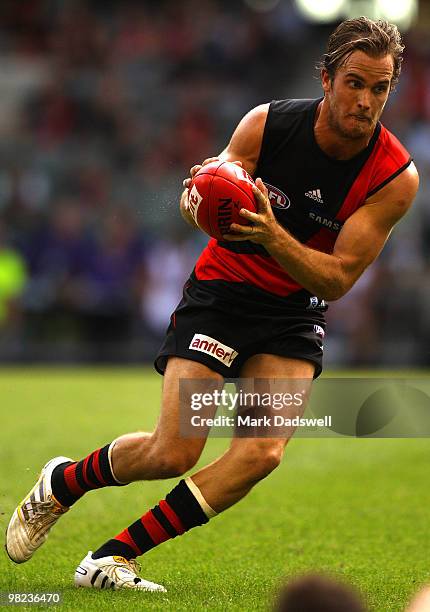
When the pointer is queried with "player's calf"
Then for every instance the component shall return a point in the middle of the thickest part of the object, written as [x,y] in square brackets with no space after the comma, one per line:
[154,456]
[248,460]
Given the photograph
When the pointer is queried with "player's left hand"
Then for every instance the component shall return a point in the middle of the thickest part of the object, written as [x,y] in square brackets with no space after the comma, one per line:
[264,228]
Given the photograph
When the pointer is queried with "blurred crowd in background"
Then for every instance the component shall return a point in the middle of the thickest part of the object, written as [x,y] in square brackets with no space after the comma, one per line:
[104,107]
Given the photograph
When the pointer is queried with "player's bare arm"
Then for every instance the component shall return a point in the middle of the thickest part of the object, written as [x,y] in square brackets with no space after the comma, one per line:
[243,149]
[360,241]
[245,143]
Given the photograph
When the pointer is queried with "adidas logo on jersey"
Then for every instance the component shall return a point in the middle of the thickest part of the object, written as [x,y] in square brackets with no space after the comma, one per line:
[315,194]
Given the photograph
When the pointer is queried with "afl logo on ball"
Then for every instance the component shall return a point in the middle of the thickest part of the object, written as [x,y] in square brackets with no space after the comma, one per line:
[277,198]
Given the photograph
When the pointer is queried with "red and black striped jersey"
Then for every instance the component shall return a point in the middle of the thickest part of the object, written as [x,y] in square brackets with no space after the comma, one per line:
[311,194]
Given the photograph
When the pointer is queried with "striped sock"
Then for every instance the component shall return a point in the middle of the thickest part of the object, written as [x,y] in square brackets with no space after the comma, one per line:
[183,509]
[71,480]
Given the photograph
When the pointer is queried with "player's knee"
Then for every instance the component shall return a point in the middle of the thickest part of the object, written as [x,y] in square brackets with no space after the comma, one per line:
[260,458]
[269,460]
[178,463]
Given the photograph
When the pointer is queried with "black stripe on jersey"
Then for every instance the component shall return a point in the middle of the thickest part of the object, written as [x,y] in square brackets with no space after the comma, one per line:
[389,179]
[244,248]
[224,293]
[164,522]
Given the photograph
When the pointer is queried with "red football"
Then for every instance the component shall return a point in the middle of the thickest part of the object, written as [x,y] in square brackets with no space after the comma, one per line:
[217,193]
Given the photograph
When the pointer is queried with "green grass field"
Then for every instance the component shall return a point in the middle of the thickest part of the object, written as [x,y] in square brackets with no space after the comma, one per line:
[356,508]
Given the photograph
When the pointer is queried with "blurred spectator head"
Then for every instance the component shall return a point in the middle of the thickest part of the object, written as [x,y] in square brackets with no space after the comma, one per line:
[68,220]
[316,593]
[119,228]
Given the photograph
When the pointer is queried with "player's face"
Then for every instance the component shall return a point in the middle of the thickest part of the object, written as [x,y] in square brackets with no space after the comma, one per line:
[357,94]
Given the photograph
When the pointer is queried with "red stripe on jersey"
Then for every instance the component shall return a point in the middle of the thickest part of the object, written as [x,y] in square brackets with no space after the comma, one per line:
[96,468]
[172,517]
[394,157]
[387,159]
[154,529]
[125,537]
[218,263]
[71,482]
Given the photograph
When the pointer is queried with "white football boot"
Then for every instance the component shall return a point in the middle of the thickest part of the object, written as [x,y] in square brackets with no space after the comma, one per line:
[112,573]
[34,516]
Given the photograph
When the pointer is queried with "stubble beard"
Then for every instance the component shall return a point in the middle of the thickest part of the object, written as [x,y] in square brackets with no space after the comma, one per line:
[346,134]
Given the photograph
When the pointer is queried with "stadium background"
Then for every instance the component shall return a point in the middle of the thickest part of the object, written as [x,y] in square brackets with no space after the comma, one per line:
[104,106]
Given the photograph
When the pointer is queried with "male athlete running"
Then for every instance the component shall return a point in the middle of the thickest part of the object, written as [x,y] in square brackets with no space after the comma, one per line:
[338,182]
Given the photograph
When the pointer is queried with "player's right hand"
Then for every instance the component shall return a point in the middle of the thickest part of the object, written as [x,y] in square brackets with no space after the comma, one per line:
[193,171]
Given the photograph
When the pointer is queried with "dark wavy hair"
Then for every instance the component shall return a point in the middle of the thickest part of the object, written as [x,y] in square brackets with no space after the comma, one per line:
[375,38]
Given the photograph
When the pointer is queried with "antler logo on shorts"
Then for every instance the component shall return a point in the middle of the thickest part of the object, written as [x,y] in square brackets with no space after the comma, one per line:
[214,348]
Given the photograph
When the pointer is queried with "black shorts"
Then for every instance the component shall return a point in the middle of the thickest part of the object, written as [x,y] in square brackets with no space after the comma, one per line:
[221,325]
